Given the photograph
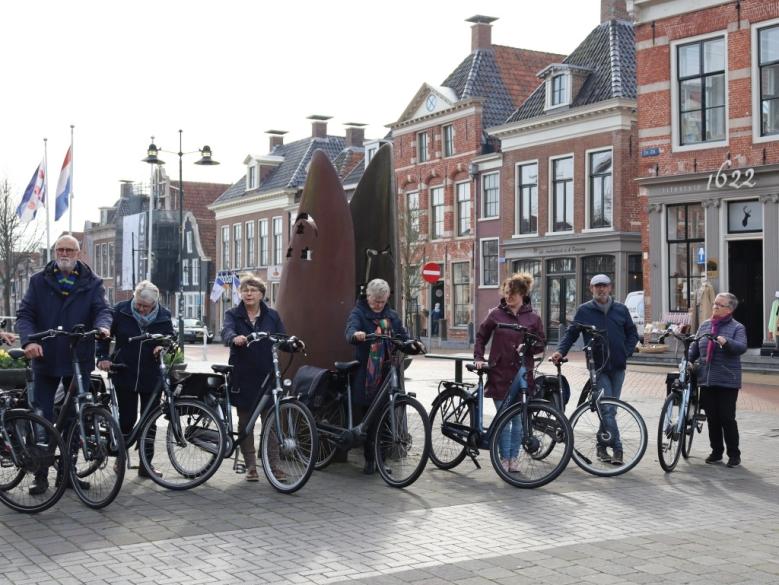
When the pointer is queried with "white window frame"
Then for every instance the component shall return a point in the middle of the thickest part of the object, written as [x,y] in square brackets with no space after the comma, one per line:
[426,158]
[517,182]
[551,194]
[481,263]
[250,248]
[189,241]
[483,199]
[757,121]
[225,251]
[263,223]
[414,219]
[444,142]
[676,145]
[457,205]
[549,87]
[587,193]
[278,245]
[252,176]
[195,271]
[442,234]
[238,239]
[185,272]
[110,259]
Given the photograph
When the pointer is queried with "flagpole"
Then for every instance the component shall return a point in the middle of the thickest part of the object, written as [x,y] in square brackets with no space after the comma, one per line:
[46,196]
[70,195]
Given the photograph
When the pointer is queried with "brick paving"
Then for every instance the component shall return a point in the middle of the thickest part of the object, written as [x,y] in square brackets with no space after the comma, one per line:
[700,524]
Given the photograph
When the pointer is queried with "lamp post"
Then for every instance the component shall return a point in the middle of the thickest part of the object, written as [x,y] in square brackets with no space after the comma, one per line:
[206,160]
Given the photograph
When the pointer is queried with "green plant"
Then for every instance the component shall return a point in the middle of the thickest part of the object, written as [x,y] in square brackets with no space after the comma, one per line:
[174,357]
[7,362]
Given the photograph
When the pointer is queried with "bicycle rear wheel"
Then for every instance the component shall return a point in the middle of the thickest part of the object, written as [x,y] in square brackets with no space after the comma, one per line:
[332,414]
[548,426]
[401,455]
[186,451]
[289,448]
[450,408]
[97,466]
[588,436]
[670,434]
[31,460]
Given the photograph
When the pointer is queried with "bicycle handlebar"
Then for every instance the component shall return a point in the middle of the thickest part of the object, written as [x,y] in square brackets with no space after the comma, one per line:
[589,328]
[152,337]
[59,331]
[686,339]
[520,329]
[407,346]
[293,343]
[477,370]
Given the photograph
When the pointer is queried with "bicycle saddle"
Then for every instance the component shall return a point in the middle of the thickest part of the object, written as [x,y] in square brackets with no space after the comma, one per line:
[221,368]
[347,366]
[16,353]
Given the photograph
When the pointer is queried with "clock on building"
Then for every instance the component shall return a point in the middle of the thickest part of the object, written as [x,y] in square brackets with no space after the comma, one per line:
[430,102]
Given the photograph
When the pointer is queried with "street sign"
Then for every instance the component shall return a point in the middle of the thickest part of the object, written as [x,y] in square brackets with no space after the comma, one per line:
[431,272]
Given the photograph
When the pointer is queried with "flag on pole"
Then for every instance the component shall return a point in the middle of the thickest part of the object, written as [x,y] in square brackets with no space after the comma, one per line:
[217,289]
[236,292]
[64,186]
[34,195]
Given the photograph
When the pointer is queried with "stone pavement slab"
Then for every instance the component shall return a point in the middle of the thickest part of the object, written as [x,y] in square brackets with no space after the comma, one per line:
[700,524]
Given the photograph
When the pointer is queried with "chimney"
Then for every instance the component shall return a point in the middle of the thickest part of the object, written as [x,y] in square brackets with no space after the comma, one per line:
[481,31]
[613,10]
[276,138]
[355,134]
[318,126]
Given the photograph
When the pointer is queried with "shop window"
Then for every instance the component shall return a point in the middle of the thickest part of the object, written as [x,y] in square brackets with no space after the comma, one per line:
[686,257]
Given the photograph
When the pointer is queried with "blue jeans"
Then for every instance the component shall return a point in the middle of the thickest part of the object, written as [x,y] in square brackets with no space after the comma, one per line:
[611,382]
[510,437]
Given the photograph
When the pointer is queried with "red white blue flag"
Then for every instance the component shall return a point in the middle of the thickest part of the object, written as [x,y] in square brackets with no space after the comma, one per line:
[34,196]
[64,186]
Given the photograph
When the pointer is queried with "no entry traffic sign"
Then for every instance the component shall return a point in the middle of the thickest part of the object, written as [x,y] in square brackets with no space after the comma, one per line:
[431,272]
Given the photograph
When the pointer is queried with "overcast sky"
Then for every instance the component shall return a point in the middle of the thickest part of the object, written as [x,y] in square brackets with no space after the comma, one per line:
[225,72]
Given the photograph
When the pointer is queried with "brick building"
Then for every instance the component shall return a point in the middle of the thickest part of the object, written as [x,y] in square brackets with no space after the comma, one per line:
[254,215]
[568,206]
[435,140]
[708,81]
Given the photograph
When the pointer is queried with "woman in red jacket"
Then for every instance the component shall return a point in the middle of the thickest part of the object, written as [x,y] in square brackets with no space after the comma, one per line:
[513,308]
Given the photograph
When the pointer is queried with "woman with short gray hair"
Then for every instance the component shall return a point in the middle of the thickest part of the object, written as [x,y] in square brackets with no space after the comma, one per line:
[719,376]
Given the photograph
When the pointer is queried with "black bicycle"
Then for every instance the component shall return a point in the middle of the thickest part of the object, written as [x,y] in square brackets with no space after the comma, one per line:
[94,441]
[180,439]
[289,442]
[601,421]
[681,415]
[397,421]
[33,469]
[545,436]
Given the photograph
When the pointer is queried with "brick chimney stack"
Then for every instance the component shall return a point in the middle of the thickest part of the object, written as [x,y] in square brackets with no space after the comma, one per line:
[355,134]
[614,10]
[318,125]
[276,138]
[481,31]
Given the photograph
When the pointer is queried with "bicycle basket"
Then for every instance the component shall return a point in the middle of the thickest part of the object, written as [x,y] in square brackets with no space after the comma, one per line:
[313,386]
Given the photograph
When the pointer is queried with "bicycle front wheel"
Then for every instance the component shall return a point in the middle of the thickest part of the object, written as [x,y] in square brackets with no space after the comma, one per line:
[289,445]
[524,468]
[691,426]
[33,467]
[450,409]
[97,465]
[671,431]
[331,414]
[592,439]
[402,442]
[183,451]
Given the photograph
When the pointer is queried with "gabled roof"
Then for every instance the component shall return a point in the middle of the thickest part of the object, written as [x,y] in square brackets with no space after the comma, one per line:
[609,52]
[291,173]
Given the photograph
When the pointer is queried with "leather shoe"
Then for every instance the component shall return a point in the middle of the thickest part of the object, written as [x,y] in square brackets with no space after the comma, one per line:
[142,472]
[714,458]
[39,486]
[734,461]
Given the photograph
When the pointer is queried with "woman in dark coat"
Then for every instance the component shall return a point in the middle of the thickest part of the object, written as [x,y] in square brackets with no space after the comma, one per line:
[504,364]
[371,315]
[142,314]
[252,364]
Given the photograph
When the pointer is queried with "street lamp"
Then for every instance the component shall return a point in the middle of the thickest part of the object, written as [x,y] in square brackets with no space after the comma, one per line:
[205,159]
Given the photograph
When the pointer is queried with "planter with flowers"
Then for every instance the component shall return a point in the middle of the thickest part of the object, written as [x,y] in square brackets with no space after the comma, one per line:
[13,372]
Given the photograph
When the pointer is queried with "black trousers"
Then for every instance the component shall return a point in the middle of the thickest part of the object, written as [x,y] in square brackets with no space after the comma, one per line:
[720,406]
[128,413]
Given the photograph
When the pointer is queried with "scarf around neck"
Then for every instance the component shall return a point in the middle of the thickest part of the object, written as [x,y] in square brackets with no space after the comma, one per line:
[145,320]
[715,324]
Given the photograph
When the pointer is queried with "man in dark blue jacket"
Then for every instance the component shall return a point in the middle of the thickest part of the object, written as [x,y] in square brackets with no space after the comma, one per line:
[64,294]
[614,318]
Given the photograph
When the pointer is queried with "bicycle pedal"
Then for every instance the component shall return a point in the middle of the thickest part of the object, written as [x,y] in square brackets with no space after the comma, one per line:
[700,418]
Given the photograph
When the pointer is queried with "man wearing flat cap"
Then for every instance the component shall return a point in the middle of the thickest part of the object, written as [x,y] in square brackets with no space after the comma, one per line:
[608,315]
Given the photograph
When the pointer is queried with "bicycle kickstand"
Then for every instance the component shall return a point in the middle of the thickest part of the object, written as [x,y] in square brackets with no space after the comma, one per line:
[473,454]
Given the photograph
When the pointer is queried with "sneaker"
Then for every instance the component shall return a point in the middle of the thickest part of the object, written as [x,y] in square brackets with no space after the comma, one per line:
[616,459]
[514,465]
[602,454]
[734,461]
[39,486]
[504,463]
[252,475]
[142,472]
[714,458]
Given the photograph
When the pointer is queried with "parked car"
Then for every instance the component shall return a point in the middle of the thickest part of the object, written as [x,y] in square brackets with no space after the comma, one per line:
[635,304]
[194,331]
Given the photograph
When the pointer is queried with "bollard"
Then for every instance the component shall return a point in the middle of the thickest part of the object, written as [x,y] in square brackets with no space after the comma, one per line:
[205,343]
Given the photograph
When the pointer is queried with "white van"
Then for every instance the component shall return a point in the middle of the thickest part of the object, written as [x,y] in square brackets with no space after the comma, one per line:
[635,304]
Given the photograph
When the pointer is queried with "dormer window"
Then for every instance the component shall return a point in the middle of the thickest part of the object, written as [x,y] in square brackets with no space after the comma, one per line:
[559,90]
[251,174]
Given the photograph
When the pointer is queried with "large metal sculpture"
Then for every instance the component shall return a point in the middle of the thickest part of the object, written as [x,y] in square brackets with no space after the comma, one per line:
[375,232]
[316,292]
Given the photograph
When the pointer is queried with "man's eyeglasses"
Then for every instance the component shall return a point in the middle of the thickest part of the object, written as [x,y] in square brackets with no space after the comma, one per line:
[66,250]
[721,306]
